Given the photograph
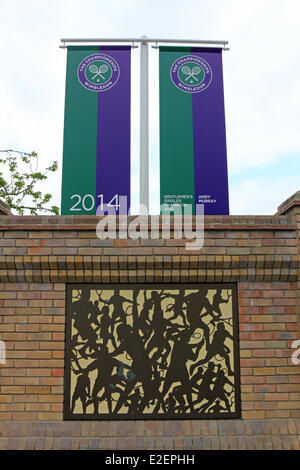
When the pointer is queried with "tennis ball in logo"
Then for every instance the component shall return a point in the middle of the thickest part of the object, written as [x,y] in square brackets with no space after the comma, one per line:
[191,73]
[98,72]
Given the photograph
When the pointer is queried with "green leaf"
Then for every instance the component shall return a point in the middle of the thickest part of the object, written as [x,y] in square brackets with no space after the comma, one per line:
[55,210]
[19,185]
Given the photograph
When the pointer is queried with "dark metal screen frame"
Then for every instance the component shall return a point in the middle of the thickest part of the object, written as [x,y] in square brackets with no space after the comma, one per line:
[67,415]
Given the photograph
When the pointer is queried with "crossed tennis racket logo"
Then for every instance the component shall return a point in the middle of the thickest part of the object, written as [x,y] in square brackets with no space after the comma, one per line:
[191,72]
[98,71]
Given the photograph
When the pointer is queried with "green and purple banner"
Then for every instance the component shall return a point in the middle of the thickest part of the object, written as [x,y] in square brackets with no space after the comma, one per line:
[193,160]
[96,156]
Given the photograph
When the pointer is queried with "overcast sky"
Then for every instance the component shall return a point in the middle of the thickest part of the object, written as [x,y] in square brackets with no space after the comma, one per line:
[261,83]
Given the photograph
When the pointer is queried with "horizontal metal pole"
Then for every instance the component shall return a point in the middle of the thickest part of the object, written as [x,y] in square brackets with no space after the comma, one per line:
[157,47]
[132,47]
[176,41]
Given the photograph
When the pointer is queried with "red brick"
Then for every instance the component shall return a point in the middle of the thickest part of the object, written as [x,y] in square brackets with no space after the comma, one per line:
[58,336]
[53,295]
[24,416]
[50,345]
[29,295]
[58,354]
[277,396]
[252,362]
[27,345]
[39,251]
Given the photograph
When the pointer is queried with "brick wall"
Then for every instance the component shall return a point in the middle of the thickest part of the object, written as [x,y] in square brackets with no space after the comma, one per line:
[33,330]
[270,383]
[39,255]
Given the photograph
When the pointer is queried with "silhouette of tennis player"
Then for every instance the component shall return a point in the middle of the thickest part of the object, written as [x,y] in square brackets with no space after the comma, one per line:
[143,322]
[171,403]
[214,310]
[94,314]
[105,327]
[156,394]
[177,371]
[133,401]
[118,314]
[218,390]
[217,346]
[81,392]
[194,302]
[196,377]
[177,307]
[159,325]
[179,393]
[80,310]
[104,364]
[203,389]
[141,367]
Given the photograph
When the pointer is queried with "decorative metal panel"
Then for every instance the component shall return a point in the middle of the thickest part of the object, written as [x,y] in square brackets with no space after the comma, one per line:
[161,351]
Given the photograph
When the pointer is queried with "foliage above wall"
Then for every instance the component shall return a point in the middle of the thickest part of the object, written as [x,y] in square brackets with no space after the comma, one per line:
[19,177]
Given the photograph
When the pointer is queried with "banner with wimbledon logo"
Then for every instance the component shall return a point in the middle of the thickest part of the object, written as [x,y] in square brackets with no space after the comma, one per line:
[96,156]
[193,161]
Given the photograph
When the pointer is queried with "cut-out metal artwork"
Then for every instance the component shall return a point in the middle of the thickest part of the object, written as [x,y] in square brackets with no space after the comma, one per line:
[151,352]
